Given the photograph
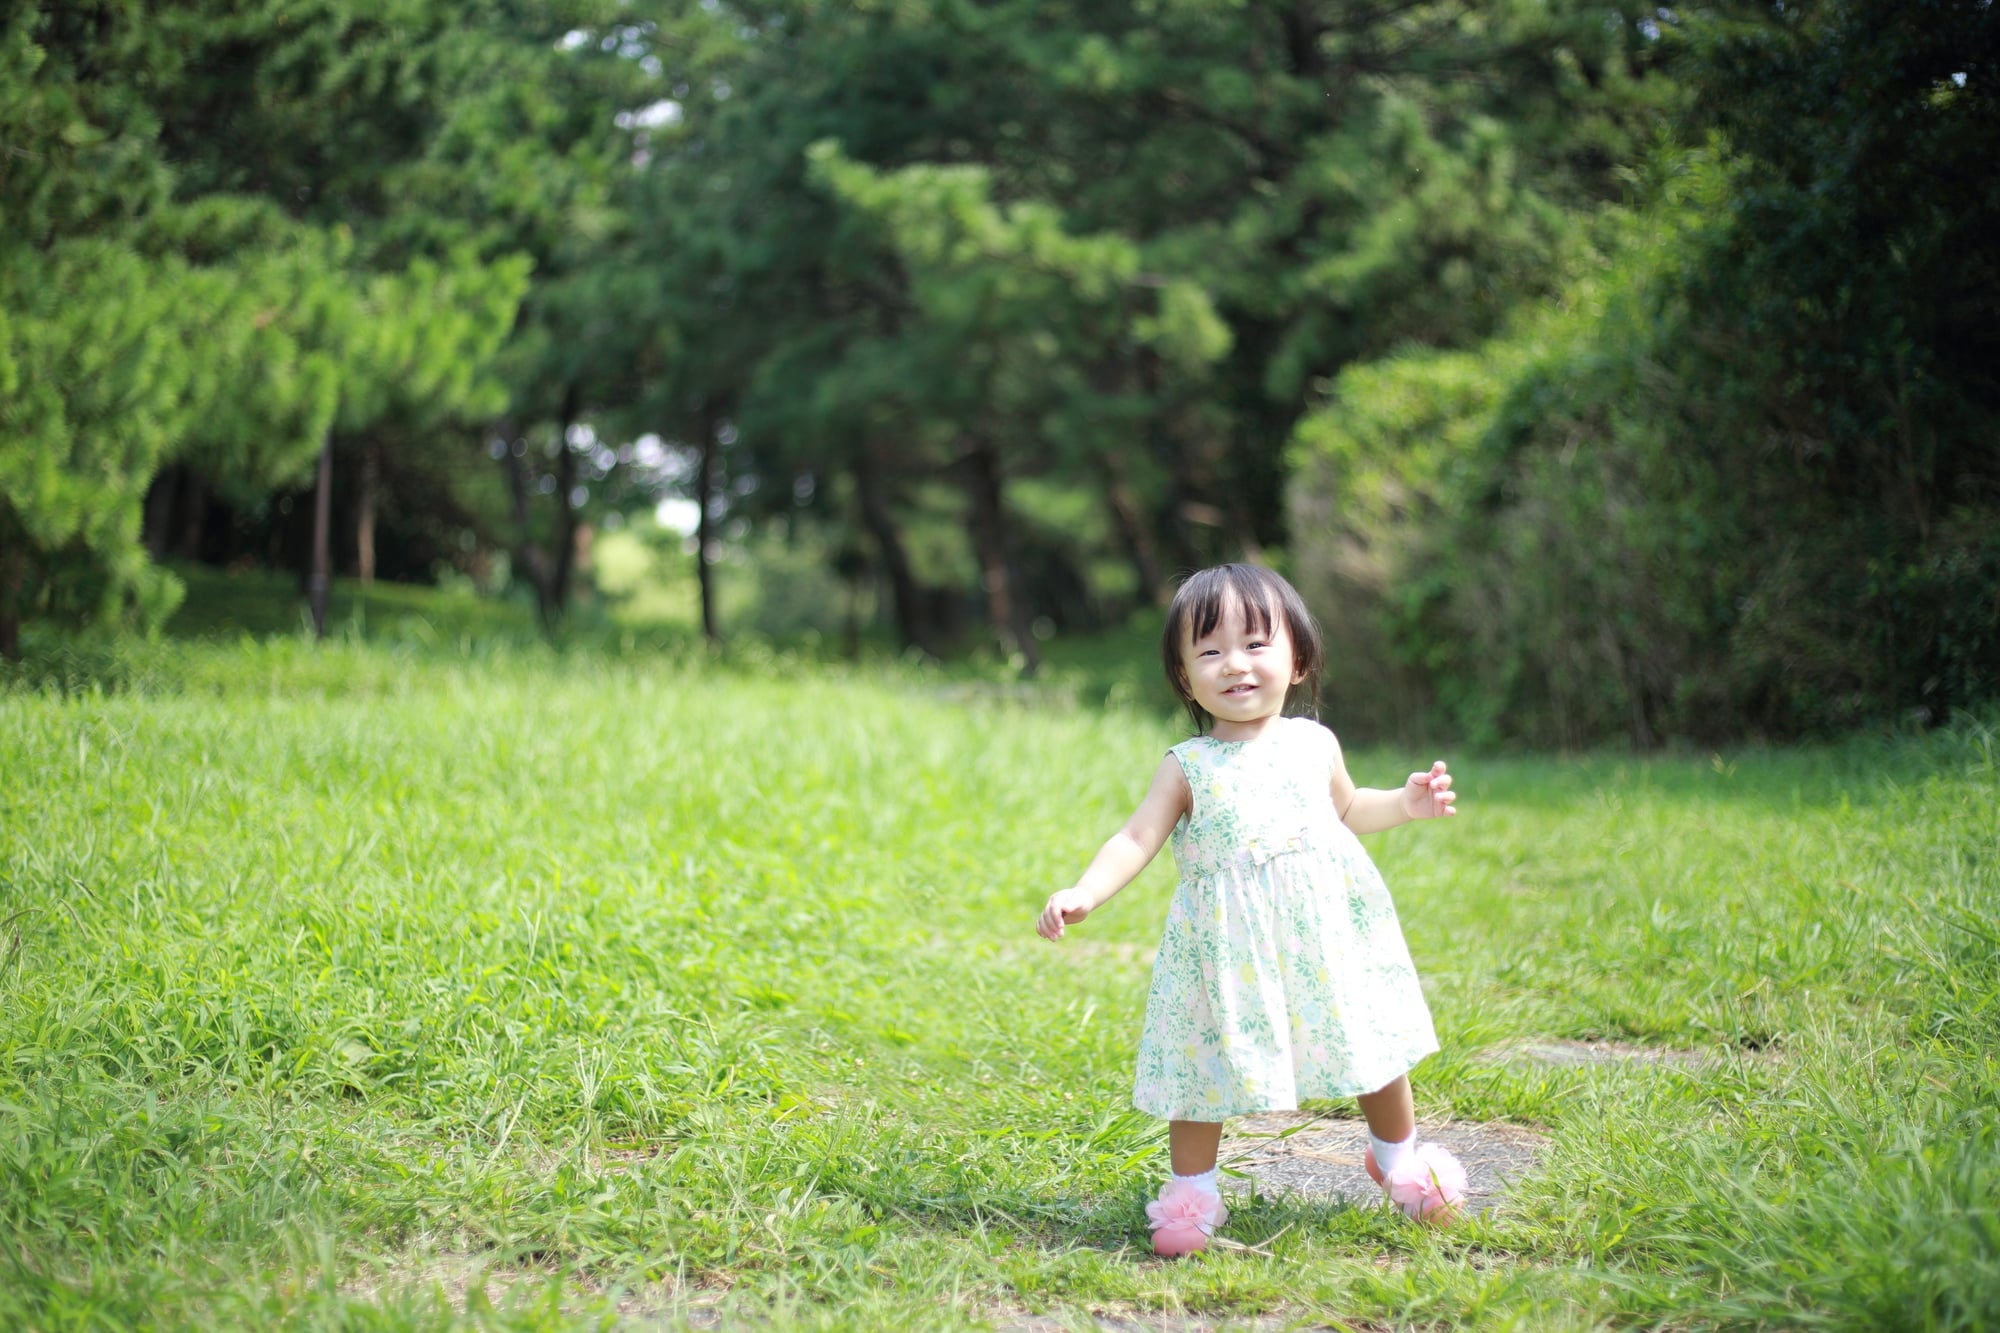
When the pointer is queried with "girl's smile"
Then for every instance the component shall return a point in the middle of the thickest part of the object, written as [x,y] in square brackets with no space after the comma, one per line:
[1240,673]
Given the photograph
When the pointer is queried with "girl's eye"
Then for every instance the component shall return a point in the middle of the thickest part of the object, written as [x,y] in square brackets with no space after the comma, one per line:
[1258,643]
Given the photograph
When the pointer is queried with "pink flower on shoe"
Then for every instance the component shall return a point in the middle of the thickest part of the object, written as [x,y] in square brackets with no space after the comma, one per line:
[1427,1184]
[1183,1218]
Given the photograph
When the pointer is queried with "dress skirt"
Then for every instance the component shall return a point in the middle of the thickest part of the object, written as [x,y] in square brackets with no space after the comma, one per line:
[1282,975]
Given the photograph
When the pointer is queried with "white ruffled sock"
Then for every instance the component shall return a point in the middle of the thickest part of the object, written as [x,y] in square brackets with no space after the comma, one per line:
[1389,1155]
[1208,1182]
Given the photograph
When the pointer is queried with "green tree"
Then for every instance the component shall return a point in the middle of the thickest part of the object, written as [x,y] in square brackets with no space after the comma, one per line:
[153,306]
[1741,478]
[1021,328]
[1329,179]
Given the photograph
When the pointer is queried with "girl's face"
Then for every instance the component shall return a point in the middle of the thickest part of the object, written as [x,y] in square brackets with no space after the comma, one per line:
[1240,675]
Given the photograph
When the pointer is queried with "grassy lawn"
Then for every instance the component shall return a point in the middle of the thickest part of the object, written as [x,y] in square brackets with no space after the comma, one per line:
[232,603]
[363,988]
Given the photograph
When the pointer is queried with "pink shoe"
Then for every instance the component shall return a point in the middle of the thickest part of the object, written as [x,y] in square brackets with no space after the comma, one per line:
[1427,1185]
[1183,1218]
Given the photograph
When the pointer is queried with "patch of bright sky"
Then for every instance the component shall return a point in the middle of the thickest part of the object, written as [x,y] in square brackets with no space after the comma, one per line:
[678,515]
[626,41]
[671,464]
[668,465]
[666,111]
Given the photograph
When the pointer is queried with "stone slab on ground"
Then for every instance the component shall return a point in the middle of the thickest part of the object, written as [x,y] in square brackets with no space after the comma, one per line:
[1014,1319]
[1322,1159]
[1164,1323]
[1564,1052]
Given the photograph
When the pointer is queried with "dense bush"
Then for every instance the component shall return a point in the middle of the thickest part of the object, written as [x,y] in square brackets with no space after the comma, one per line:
[1744,476]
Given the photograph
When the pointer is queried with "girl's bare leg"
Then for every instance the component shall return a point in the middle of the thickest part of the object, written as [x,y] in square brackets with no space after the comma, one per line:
[1194,1144]
[1390,1111]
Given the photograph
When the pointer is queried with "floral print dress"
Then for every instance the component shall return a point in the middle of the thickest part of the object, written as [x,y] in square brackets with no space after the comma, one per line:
[1282,974]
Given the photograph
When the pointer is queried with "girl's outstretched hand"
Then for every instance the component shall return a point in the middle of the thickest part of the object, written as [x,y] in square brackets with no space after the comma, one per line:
[1429,795]
[1066,907]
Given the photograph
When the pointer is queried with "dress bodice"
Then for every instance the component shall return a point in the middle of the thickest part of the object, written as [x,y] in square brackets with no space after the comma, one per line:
[1255,799]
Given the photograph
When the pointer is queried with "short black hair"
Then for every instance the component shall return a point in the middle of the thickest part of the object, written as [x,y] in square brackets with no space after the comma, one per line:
[1265,595]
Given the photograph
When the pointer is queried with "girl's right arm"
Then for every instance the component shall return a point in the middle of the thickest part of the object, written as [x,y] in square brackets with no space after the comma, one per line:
[1127,852]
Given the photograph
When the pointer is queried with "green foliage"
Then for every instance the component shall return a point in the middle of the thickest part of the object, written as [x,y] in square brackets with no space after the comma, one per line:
[1736,480]
[1862,245]
[1367,474]
[154,310]
[1018,320]
[1635,366]
[1106,247]
[347,980]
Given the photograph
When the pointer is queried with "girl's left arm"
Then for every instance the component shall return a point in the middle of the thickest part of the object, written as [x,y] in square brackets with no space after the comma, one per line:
[1371,809]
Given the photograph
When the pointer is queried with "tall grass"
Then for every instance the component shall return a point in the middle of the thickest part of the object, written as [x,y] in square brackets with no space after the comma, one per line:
[353,987]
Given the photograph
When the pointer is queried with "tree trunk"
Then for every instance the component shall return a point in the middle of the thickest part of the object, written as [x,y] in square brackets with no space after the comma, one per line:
[1245,532]
[1302,36]
[194,515]
[13,580]
[993,542]
[565,536]
[528,552]
[364,513]
[704,491]
[160,509]
[1130,519]
[1622,670]
[1168,443]
[322,561]
[880,521]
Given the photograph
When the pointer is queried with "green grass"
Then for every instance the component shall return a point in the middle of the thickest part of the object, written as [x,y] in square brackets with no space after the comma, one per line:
[260,611]
[342,982]
[232,603]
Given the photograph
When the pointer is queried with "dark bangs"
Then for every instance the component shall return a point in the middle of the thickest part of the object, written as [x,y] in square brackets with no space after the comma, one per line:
[1267,600]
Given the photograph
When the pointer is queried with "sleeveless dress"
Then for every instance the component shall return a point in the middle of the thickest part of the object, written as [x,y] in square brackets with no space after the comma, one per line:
[1282,974]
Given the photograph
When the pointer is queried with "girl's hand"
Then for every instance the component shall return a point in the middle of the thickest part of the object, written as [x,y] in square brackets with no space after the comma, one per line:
[1065,908]
[1429,795]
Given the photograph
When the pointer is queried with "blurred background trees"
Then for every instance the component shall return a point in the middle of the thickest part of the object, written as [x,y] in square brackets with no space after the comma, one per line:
[1599,370]
[1743,473]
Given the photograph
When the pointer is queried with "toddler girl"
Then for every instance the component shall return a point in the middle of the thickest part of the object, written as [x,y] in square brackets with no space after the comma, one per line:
[1282,974]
